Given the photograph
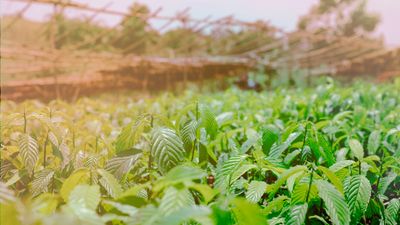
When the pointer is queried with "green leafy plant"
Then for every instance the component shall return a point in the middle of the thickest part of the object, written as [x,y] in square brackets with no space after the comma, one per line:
[320,155]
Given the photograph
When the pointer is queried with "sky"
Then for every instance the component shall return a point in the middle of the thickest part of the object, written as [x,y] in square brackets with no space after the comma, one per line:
[281,13]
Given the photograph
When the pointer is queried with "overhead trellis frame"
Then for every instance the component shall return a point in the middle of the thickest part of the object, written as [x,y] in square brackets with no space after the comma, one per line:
[293,49]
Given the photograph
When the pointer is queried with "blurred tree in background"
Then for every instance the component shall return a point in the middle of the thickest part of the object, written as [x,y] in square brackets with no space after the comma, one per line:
[136,34]
[228,41]
[182,41]
[342,17]
[79,33]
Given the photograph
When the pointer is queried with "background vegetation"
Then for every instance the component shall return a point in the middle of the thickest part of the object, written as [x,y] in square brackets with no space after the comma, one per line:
[137,35]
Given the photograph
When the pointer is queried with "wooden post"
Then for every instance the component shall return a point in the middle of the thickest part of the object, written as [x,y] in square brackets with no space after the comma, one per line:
[52,37]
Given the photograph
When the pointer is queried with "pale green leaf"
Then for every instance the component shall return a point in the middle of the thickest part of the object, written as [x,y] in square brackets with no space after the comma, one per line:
[120,166]
[374,142]
[392,212]
[208,121]
[247,213]
[225,171]
[166,148]
[357,193]
[335,205]
[332,178]
[340,165]
[110,183]
[174,200]
[356,148]
[200,214]
[180,174]
[131,133]
[28,150]
[283,177]
[85,196]
[78,177]
[297,214]
[255,191]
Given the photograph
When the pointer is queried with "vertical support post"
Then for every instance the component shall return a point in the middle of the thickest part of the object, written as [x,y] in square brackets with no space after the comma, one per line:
[52,37]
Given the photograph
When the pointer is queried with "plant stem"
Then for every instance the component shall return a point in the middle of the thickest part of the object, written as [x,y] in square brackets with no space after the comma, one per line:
[96,146]
[73,140]
[149,167]
[45,143]
[304,142]
[310,183]
[25,121]
[44,149]
[197,111]
[194,147]
[380,175]
[304,139]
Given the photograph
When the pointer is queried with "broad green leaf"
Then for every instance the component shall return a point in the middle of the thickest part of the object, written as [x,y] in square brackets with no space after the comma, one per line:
[28,150]
[245,167]
[252,139]
[120,166]
[269,137]
[247,213]
[206,191]
[277,150]
[80,176]
[224,118]
[326,149]
[85,196]
[275,205]
[131,133]
[297,214]
[321,148]
[392,212]
[13,179]
[300,191]
[226,170]
[200,214]
[180,174]
[291,156]
[110,183]
[166,148]
[385,182]
[335,205]
[127,209]
[332,178]
[357,193]
[208,121]
[174,200]
[6,195]
[147,215]
[356,148]
[318,218]
[340,165]
[137,195]
[41,181]
[255,191]
[188,134]
[46,203]
[374,142]
[222,215]
[282,179]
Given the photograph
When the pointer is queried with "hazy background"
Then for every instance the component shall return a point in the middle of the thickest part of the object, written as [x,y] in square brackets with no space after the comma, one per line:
[283,13]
